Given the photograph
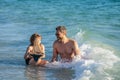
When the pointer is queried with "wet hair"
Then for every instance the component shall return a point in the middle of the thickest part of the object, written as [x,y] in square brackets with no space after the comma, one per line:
[61,29]
[33,37]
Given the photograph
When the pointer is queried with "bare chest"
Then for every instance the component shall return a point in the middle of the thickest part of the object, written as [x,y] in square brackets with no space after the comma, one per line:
[64,48]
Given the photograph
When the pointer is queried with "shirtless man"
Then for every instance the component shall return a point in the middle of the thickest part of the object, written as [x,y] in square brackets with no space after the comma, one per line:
[63,46]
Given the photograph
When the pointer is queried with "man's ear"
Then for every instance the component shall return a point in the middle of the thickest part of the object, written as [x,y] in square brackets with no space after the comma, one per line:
[65,32]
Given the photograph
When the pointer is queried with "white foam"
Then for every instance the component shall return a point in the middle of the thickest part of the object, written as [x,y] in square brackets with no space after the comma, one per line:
[98,60]
[93,64]
[79,36]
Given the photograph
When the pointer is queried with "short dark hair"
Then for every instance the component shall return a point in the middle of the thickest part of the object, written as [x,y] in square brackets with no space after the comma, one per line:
[61,29]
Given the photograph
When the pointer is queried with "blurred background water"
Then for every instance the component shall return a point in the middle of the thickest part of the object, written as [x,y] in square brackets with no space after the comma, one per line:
[94,24]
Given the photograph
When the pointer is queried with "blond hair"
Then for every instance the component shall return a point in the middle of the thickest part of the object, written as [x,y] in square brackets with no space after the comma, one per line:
[35,42]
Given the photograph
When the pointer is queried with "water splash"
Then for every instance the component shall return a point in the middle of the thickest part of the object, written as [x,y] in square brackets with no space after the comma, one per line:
[99,60]
[93,64]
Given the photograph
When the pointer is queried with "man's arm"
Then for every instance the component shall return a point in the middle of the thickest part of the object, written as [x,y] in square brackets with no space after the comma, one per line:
[55,54]
[76,49]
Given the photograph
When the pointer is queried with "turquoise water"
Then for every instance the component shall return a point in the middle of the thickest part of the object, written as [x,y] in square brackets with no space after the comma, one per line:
[94,24]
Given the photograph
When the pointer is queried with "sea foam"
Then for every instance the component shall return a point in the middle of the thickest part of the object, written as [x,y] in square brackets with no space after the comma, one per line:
[92,62]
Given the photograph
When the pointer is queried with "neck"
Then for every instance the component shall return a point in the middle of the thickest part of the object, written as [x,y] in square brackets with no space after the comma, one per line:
[64,39]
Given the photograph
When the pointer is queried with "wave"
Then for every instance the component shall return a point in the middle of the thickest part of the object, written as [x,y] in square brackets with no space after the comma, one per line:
[94,63]
[95,67]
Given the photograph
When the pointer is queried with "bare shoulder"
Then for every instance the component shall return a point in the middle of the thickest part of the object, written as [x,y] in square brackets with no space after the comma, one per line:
[72,41]
[30,47]
[56,42]
[42,45]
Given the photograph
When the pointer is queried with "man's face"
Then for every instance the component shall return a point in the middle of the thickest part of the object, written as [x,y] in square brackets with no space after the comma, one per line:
[59,35]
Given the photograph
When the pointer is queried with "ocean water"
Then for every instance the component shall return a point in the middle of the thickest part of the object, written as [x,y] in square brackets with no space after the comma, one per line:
[94,24]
